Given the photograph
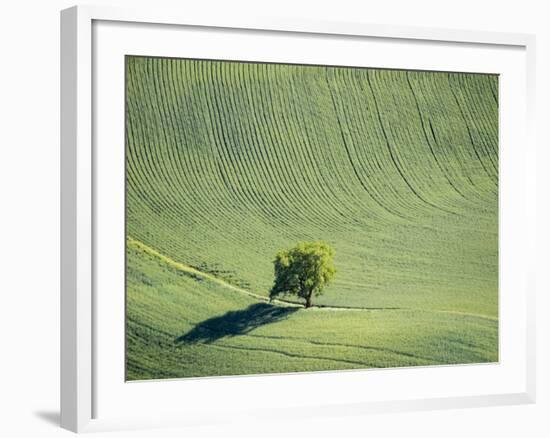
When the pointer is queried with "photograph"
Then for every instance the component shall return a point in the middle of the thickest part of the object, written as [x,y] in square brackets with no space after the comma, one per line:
[287,218]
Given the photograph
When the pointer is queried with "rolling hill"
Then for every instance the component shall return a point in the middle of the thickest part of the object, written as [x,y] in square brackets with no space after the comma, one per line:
[229,162]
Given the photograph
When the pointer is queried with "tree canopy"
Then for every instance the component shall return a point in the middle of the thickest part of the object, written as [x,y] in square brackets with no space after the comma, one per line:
[304,270]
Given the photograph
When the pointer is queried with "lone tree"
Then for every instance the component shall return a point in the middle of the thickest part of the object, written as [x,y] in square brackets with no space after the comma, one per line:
[304,271]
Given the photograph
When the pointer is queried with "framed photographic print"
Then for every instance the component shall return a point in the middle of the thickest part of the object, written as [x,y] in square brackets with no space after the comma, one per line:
[251,209]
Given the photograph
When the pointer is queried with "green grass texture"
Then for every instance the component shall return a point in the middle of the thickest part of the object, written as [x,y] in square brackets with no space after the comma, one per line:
[229,162]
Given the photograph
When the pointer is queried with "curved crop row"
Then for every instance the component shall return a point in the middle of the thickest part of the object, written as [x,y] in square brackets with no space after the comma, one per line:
[228,162]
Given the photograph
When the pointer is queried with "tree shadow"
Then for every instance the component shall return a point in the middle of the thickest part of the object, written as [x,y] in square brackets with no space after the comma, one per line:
[234,323]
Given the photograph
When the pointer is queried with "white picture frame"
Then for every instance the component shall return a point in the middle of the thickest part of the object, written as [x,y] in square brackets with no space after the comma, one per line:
[81,169]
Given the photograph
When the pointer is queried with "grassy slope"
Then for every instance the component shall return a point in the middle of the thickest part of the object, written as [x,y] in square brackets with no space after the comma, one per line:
[230,162]
[182,325]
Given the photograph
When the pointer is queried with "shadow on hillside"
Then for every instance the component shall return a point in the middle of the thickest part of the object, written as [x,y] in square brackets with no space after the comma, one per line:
[235,323]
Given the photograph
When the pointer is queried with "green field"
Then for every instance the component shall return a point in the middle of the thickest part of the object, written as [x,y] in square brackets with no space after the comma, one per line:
[228,163]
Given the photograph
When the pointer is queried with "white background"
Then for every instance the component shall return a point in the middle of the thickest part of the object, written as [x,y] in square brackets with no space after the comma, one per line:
[29,220]
[221,396]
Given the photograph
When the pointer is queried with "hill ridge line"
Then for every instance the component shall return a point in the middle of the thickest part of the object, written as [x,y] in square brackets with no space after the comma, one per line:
[194,271]
[190,270]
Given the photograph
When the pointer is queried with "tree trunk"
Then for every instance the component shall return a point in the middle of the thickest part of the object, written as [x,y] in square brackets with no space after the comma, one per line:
[308,301]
